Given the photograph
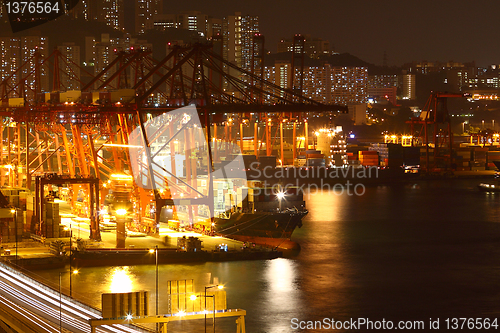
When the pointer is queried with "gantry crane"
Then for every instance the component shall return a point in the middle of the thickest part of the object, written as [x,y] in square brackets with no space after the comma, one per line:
[435,120]
[88,135]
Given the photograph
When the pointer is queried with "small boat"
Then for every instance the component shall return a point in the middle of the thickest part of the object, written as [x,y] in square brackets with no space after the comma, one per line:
[492,187]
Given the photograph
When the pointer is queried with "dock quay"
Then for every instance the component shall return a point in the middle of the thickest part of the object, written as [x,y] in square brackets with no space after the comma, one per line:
[129,257]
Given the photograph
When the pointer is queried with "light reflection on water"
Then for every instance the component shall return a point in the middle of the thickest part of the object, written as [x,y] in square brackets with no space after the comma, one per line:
[282,292]
[121,280]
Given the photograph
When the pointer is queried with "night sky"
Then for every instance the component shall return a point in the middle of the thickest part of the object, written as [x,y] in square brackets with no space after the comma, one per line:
[406,30]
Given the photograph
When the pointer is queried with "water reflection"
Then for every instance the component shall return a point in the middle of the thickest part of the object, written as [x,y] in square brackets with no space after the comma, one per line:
[397,252]
[121,280]
[282,294]
[280,274]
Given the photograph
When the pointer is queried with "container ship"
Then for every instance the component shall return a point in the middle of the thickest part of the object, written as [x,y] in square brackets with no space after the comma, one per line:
[253,213]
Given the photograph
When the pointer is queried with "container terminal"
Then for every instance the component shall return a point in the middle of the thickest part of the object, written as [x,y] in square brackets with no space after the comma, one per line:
[124,154]
[186,159]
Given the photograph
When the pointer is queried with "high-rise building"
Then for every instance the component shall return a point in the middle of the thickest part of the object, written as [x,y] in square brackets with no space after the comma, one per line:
[316,83]
[194,21]
[427,67]
[214,27]
[322,82]
[114,14]
[10,59]
[104,54]
[203,24]
[162,22]
[383,81]
[104,51]
[70,67]
[89,57]
[408,86]
[313,47]
[16,51]
[282,74]
[348,85]
[357,112]
[383,88]
[238,31]
[145,10]
[99,53]
[110,12]
[30,45]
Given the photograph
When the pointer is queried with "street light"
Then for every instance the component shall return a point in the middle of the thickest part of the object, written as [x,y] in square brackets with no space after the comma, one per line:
[219,286]
[14,211]
[60,295]
[155,251]
[281,196]
[120,228]
[71,273]
[194,297]
[60,303]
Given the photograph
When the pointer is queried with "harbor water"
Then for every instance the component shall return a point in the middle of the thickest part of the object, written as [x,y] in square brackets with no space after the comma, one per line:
[421,251]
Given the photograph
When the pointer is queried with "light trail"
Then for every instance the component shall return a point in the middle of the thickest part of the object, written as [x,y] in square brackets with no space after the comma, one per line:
[45,303]
[26,315]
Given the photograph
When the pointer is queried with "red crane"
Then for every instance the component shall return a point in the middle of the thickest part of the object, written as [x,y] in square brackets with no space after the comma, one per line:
[435,119]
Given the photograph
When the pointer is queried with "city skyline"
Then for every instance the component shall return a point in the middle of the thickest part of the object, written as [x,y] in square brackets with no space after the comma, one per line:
[388,33]
[430,31]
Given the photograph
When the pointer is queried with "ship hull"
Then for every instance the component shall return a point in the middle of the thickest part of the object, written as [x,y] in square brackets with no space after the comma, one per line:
[274,243]
[264,225]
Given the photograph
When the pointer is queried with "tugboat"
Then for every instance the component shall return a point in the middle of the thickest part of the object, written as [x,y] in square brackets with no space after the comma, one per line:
[489,187]
[483,187]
